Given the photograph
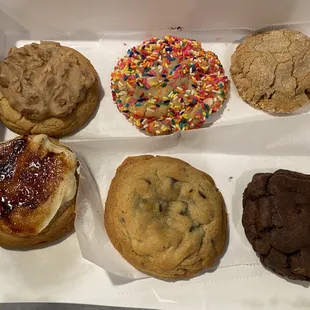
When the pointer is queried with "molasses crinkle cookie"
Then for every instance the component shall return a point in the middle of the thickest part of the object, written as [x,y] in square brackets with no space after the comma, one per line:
[165,217]
[48,89]
[38,186]
[169,84]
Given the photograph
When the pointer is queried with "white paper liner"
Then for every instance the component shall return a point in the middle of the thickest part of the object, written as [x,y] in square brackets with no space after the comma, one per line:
[229,154]
[281,143]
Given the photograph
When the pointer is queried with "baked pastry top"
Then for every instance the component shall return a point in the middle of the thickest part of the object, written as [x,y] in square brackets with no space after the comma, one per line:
[271,70]
[165,217]
[37,178]
[276,220]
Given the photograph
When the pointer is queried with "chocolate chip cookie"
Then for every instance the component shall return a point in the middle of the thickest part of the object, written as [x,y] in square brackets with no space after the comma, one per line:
[165,217]
[271,70]
[276,220]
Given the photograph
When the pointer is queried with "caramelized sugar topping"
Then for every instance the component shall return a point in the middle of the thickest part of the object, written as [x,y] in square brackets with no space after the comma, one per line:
[28,176]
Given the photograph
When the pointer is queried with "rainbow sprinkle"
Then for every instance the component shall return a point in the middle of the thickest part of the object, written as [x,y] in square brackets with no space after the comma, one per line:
[168,84]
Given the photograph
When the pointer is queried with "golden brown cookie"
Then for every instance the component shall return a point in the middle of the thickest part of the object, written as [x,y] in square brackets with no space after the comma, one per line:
[38,186]
[57,109]
[165,217]
[271,70]
[168,84]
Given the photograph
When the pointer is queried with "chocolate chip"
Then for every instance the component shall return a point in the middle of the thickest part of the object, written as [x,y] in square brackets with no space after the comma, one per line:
[194,227]
[148,181]
[162,206]
[184,211]
[202,195]
[298,209]
[173,180]
[213,242]
[190,191]
[266,230]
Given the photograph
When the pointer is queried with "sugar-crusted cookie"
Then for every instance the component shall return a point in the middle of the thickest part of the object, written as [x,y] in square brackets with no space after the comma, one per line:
[168,84]
[47,89]
[271,70]
[165,217]
[276,220]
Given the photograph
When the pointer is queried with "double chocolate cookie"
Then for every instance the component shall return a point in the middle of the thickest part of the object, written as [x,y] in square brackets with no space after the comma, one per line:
[165,217]
[276,220]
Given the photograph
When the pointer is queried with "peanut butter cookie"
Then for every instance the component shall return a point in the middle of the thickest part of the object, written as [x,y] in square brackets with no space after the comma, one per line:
[47,89]
[165,217]
[271,70]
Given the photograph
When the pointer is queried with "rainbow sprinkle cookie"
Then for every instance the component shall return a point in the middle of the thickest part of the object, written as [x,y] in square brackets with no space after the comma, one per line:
[169,84]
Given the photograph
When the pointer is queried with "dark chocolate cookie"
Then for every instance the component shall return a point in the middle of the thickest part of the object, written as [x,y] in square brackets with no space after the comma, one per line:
[276,220]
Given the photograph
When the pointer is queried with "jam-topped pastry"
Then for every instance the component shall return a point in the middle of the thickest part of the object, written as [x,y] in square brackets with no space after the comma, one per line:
[47,88]
[38,185]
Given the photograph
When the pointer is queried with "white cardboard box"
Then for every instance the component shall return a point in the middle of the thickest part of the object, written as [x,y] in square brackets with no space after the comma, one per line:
[240,137]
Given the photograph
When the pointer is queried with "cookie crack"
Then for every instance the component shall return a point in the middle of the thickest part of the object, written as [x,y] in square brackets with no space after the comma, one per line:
[306,76]
[130,240]
[267,185]
[188,256]
[274,75]
[292,74]
[258,44]
[245,73]
[156,174]
[290,43]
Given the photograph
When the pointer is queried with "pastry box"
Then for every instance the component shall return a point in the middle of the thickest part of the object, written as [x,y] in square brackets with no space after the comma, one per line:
[235,143]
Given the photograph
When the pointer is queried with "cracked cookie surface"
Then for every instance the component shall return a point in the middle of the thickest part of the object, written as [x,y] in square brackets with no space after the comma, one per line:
[276,220]
[165,217]
[271,70]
